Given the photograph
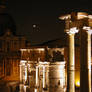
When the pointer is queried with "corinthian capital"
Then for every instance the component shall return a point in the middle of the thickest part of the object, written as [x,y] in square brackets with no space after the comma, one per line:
[88,29]
[72,30]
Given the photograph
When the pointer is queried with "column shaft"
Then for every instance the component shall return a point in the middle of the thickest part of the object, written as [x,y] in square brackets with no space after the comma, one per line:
[85,62]
[26,75]
[21,74]
[71,65]
[37,76]
[44,77]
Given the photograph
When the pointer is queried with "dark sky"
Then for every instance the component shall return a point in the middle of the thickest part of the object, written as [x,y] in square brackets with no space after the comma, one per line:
[45,15]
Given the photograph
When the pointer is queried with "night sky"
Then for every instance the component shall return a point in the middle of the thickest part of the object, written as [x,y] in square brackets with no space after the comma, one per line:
[44,14]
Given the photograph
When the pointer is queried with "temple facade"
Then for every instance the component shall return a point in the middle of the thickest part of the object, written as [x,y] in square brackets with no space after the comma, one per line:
[45,68]
[79,22]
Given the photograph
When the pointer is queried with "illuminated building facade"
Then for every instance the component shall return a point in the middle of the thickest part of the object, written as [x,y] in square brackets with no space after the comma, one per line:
[10,55]
[43,68]
[10,45]
[29,60]
[41,74]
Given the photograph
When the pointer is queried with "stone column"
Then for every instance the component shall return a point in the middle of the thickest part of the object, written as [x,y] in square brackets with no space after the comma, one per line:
[21,74]
[44,77]
[85,60]
[37,76]
[36,90]
[26,75]
[71,60]
[48,77]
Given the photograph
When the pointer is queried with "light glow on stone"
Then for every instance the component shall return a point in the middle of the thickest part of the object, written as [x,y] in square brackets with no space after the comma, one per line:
[89,30]
[23,61]
[77,83]
[68,16]
[25,73]
[72,30]
[82,15]
[41,49]
[90,16]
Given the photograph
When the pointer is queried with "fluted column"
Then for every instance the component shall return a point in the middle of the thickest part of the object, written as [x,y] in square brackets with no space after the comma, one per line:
[71,60]
[85,60]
